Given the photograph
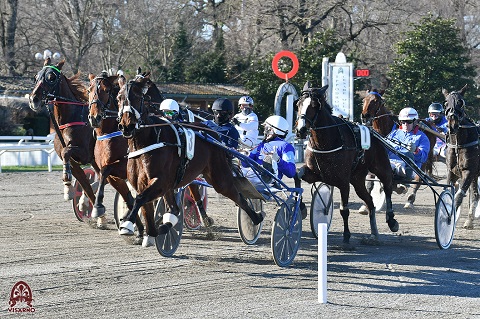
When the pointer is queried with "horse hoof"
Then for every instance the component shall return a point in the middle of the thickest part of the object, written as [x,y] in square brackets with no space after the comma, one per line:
[137,240]
[303,210]
[393,225]
[164,228]
[102,223]
[468,224]
[207,221]
[126,229]
[148,241]
[98,211]
[261,216]
[408,205]
[363,210]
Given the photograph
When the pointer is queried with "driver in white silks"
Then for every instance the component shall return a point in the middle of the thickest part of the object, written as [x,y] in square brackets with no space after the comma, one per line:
[410,141]
[246,122]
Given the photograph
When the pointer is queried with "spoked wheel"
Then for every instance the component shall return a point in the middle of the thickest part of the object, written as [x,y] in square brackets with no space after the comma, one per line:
[78,192]
[120,209]
[321,209]
[286,234]
[249,232]
[458,211]
[191,214]
[444,219]
[168,243]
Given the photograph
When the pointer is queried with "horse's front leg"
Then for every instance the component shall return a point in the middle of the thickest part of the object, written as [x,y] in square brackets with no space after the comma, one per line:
[474,197]
[195,192]
[411,198]
[345,213]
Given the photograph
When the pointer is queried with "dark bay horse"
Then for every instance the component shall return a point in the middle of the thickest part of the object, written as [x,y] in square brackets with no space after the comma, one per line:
[157,164]
[463,155]
[111,147]
[376,114]
[333,156]
[66,101]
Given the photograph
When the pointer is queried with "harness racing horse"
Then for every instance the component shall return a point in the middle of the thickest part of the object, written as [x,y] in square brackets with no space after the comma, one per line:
[463,153]
[111,147]
[157,161]
[333,156]
[376,114]
[66,102]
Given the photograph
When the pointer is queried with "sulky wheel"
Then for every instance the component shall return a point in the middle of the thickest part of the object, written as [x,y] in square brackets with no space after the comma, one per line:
[321,208]
[78,193]
[191,214]
[444,219]
[286,234]
[120,209]
[168,243]
[249,232]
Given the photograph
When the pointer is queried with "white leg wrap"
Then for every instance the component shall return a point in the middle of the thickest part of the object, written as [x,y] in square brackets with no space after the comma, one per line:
[102,221]
[148,241]
[170,218]
[126,228]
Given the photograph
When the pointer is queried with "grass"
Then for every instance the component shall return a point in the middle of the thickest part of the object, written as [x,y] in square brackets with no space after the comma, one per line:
[40,168]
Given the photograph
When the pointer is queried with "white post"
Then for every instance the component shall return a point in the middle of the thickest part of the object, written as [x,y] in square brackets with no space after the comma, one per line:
[289,111]
[325,71]
[322,262]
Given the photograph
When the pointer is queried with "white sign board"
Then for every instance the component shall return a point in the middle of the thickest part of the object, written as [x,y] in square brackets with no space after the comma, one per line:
[340,89]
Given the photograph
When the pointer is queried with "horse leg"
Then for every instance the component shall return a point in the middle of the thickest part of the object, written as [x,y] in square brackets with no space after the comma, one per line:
[363,210]
[148,215]
[195,191]
[473,204]
[358,182]
[412,196]
[303,207]
[98,207]
[344,212]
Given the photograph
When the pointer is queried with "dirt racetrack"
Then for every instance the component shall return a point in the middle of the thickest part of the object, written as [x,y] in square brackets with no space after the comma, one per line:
[77,271]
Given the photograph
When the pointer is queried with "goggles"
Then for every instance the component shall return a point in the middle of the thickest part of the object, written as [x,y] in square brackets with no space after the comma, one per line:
[406,121]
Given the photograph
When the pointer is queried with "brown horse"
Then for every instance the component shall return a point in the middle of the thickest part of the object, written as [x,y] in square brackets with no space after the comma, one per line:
[157,164]
[66,101]
[376,114]
[463,154]
[111,147]
[333,156]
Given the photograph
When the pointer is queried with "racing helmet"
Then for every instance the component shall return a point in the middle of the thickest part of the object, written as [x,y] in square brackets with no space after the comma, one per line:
[408,114]
[435,108]
[246,100]
[276,125]
[222,110]
[169,105]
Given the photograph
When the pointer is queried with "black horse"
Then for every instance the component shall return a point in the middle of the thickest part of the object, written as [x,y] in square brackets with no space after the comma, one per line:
[463,154]
[333,156]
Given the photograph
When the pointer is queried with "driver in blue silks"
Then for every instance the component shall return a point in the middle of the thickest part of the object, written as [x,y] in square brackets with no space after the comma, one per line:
[223,113]
[440,124]
[409,141]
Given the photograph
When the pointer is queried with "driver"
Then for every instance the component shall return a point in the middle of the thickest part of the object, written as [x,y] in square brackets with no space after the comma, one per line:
[170,109]
[246,122]
[410,141]
[437,118]
[223,112]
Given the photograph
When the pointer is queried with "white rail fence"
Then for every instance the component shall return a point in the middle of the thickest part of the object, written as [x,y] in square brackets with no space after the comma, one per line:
[28,151]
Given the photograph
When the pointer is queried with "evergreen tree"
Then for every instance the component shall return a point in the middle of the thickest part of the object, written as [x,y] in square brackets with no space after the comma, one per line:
[431,57]
[180,54]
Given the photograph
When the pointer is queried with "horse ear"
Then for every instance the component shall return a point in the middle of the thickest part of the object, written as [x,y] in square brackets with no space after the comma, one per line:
[121,80]
[445,92]
[47,61]
[307,86]
[60,64]
[91,76]
[462,91]
[323,90]
[139,71]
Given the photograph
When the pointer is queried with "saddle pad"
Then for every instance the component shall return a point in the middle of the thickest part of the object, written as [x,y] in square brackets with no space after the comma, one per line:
[364,137]
[189,143]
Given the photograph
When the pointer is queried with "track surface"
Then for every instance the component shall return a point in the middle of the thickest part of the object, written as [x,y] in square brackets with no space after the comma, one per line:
[77,271]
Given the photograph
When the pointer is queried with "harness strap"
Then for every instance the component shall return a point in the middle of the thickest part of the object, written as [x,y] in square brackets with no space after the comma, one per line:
[463,145]
[64,126]
[109,136]
[146,150]
[323,152]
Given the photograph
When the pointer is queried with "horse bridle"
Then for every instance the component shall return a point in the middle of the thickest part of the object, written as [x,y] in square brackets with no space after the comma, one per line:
[455,111]
[127,105]
[104,107]
[375,115]
[48,79]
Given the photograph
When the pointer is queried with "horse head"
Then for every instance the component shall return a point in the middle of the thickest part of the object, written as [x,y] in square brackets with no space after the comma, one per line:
[311,102]
[47,84]
[372,105]
[454,108]
[102,102]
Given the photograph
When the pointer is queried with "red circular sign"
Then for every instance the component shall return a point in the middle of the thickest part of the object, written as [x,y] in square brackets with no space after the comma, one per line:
[286,54]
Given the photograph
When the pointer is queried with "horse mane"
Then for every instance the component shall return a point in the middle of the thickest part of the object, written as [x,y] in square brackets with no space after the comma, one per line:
[77,87]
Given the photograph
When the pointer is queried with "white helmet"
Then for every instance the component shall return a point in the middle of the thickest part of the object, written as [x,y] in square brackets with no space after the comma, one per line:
[408,114]
[246,100]
[169,105]
[278,124]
